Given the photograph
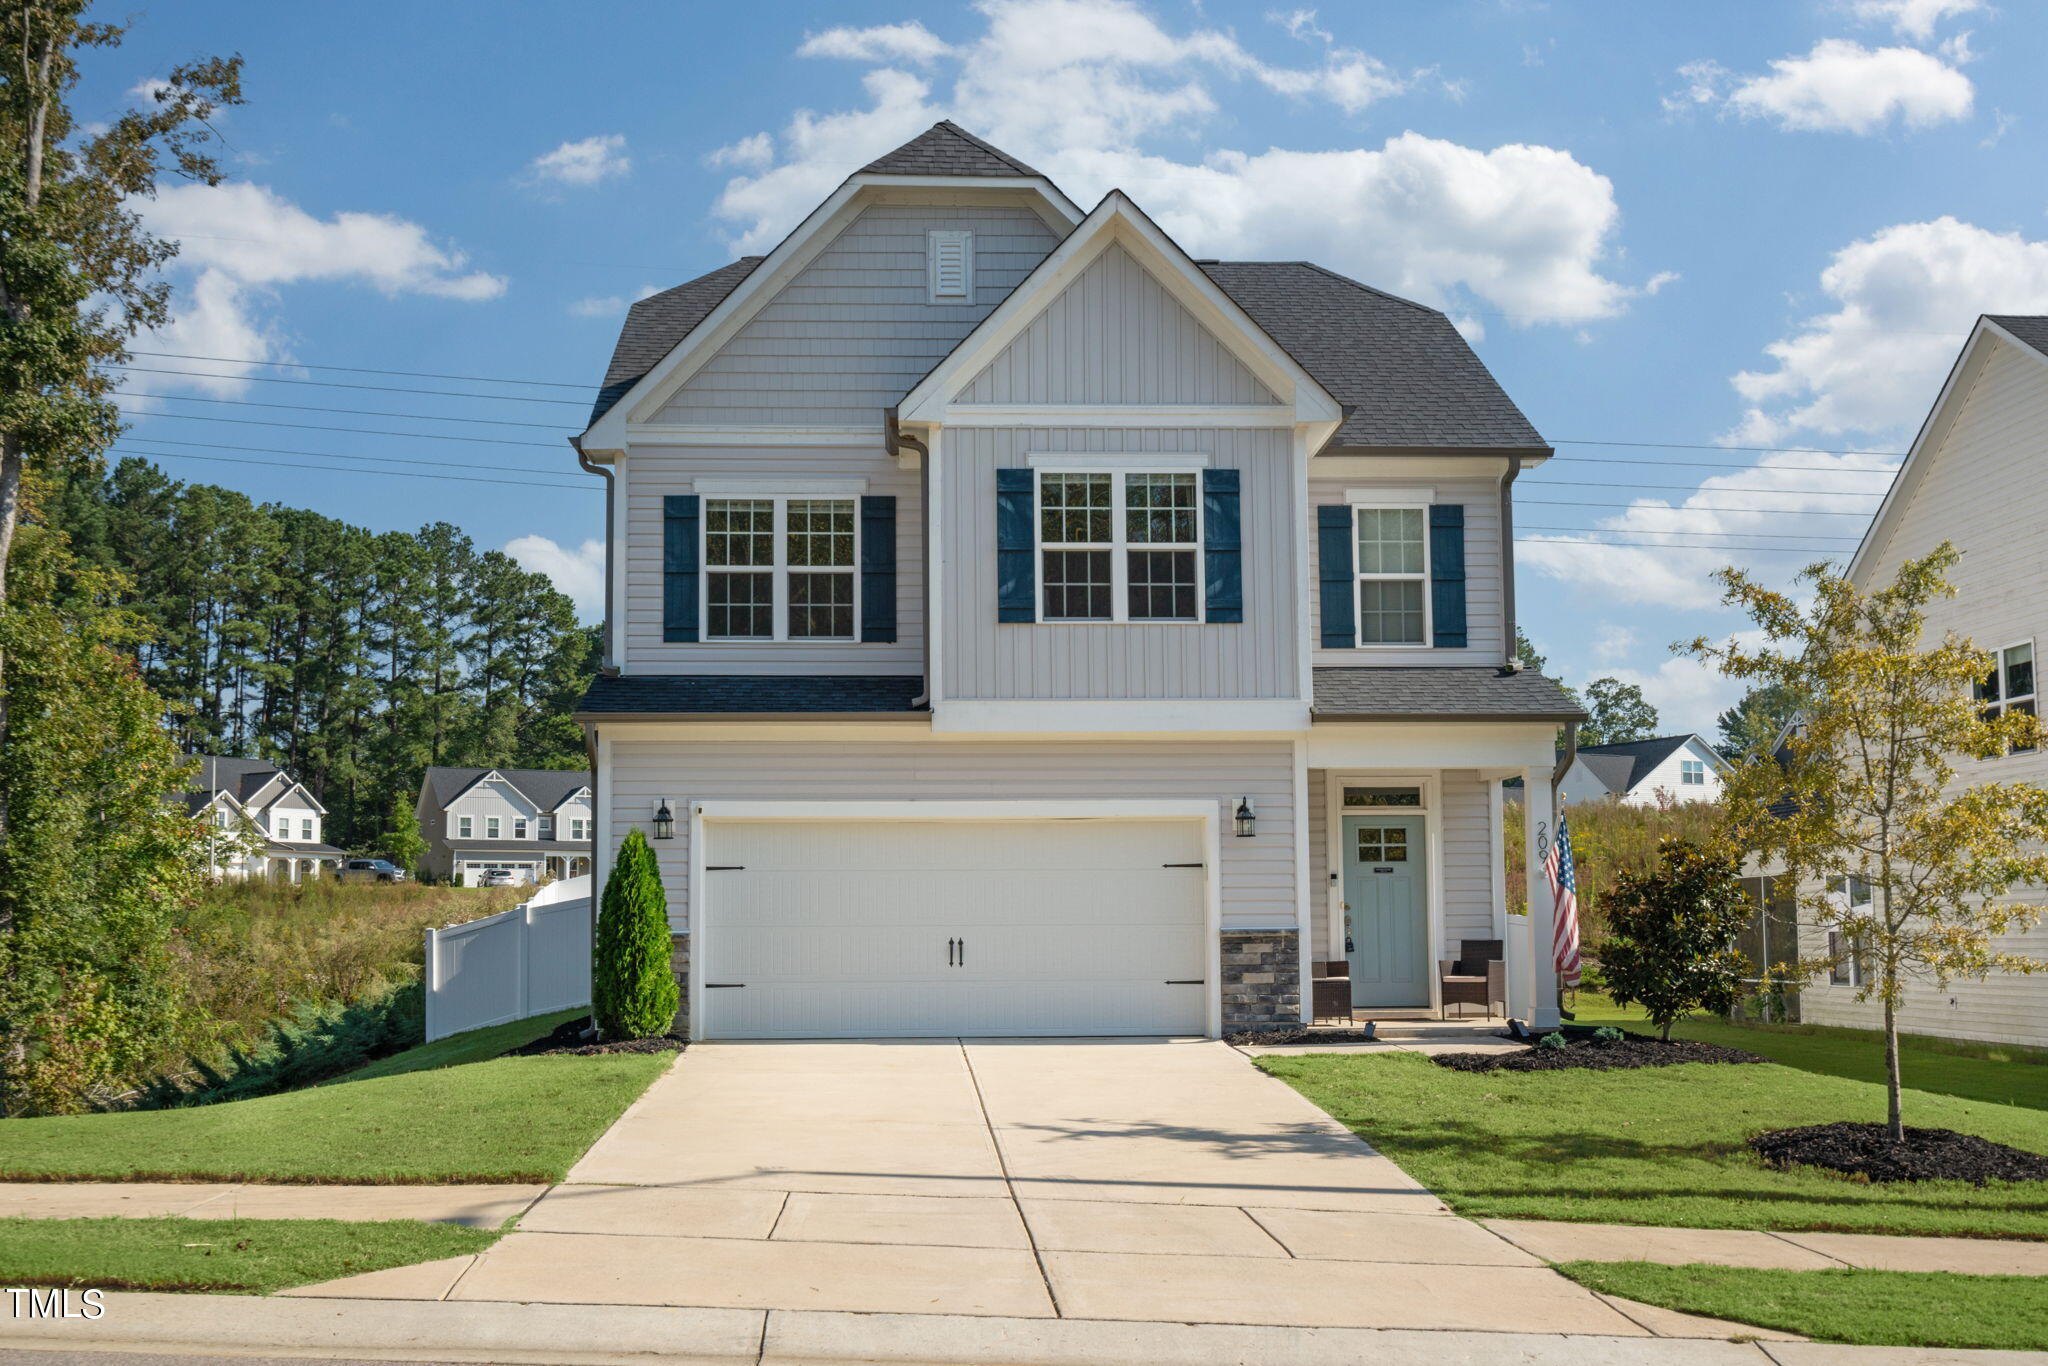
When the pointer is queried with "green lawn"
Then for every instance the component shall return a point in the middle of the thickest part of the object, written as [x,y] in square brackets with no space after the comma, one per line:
[218,1254]
[1885,1308]
[1661,1145]
[1950,1067]
[425,1116]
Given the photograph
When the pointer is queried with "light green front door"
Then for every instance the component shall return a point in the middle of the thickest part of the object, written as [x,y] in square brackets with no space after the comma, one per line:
[1386,915]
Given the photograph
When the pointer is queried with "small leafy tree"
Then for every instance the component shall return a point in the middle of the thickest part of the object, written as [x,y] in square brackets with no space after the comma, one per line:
[402,842]
[1868,788]
[633,991]
[1670,930]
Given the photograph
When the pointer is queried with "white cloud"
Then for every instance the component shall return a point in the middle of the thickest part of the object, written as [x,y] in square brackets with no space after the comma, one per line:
[1080,87]
[1840,87]
[577,573]
[752,152]
[606,305]
[911,42]
[586,161]
[1914,19]
[1611,642]
[1688,695]
[1904,298]
[240,243]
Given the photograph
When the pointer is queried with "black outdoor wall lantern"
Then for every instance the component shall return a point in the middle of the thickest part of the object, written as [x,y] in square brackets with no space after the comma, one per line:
[664,821]
[1247,819]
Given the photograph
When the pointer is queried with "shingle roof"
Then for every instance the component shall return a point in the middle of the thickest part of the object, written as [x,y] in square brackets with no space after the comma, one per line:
[1643,756]
[546,788]
[1612,770]
[1403,373]
[656,323]
[2029,328]
[946,148]
[238,776]
[729,693]
[1369,693]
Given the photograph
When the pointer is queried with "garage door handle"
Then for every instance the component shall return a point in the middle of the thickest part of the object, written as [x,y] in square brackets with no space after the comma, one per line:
[1182,865]
[963,953]
[952,947]
[1186,981]
[715,986]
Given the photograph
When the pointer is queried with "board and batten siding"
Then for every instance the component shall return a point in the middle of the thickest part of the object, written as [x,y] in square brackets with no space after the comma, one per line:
[1115,335]
[653,472]
[1463,823]
[985,660]
[1984,488]
[1258,889]
[1484,642]
[855,329]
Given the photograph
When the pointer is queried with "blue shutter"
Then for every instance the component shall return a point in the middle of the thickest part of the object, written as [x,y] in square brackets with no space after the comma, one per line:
[878,568]
[1333,555]
[679,567]
[1222,546]
[1016,583]
[1447,575]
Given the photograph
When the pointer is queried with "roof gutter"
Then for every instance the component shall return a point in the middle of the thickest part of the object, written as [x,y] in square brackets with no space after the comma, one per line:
[894,439]
[607,662]
[1571,753]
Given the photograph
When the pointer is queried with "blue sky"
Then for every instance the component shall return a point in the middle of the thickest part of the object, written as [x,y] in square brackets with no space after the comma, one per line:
[1720,226]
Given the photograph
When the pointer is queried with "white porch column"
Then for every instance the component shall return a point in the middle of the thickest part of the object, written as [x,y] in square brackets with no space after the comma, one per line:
[1541,823]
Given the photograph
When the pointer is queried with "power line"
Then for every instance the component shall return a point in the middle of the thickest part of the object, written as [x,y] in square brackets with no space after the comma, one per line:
[1693,507]
[1658,545]
[1703,535]
[350,412]
[1695,488]
[337,455]
[338,384]
[392,474]
[363,370]
[1695,446]
[357,431]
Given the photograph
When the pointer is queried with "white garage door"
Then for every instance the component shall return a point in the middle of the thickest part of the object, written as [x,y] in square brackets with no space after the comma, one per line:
[857,929]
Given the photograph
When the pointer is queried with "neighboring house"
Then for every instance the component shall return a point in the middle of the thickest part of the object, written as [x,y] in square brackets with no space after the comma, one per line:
[1972,477]
[265,822]
[534,823]
[1660,772]
[1015,626]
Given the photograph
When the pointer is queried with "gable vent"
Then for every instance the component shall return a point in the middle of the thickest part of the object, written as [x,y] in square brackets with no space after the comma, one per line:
[951,255]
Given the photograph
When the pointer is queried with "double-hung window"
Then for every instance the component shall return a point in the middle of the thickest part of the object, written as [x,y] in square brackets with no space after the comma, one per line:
[491,827]
[465,827]
[2010,686]
[1119,545]
[519,828]
[1692,772]
[1393,575]
[306,829]
[1846,967]
[779,568]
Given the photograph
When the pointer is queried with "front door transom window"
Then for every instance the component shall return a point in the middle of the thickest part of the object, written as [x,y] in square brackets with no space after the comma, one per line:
[1382,844]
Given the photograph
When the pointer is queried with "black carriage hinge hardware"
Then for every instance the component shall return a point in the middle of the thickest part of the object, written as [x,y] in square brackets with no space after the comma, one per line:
[1183,865]
[726,868]
[1186,981]
[713,986]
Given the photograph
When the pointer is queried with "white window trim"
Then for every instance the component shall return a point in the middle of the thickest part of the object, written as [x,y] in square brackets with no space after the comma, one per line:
[465,827]
[1062,463]
[932,239]
[2003,703]
[1842,898]
[1119,547]
[519,827]
[1692,773]
[1359,576]
[1405,498]
[783,491]
[493,826]
[769,488]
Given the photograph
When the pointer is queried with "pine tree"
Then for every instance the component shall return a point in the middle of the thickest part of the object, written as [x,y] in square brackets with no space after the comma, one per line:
[633,988]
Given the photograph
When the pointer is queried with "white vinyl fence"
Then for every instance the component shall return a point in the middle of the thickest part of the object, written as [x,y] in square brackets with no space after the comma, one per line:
[526,961]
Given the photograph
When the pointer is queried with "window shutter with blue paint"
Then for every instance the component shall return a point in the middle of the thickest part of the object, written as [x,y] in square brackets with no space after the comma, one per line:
[1333,556]
[679,576]
[1447,575]
[1222,546]
[1016,584]
[878,567]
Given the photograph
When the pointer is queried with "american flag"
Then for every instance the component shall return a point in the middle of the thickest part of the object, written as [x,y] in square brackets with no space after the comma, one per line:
[1564,892]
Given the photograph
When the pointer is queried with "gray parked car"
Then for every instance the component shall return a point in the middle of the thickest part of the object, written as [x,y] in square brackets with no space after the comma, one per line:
[370,870]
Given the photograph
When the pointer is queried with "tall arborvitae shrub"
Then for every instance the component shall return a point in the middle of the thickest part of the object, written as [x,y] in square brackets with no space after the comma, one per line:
[633,992]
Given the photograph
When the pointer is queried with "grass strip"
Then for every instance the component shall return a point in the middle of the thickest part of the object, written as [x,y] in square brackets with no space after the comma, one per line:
[218,1255]
[1873,1308]
[1661,1145]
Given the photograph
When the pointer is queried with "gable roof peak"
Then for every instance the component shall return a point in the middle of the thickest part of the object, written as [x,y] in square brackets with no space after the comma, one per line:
[947,149]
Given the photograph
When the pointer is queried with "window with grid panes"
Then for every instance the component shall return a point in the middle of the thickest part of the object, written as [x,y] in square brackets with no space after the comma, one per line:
[1159,534]
[1393,575]
[779,568]
[1077,535]
[2010,685]
[739,560]
[1119,546]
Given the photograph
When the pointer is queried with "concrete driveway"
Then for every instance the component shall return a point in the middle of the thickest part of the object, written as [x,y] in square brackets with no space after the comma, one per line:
[1117,1179]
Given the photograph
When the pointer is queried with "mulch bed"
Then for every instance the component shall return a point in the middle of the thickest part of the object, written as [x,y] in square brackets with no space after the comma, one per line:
[1262,1038]
[572,1038]
[1867,1151]
[1582,1050]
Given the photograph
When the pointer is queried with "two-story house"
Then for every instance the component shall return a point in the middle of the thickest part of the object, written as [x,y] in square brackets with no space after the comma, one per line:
[533,823]
[1973,477]
[1015,626]
[262,822]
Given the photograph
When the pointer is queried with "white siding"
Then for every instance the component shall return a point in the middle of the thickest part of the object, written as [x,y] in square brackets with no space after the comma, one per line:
[1984,488]
[855,330]
[1484,631]
[1668,779]
[653,472]
[1115,336]
[1258,873]
[492,799]
[987,660]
